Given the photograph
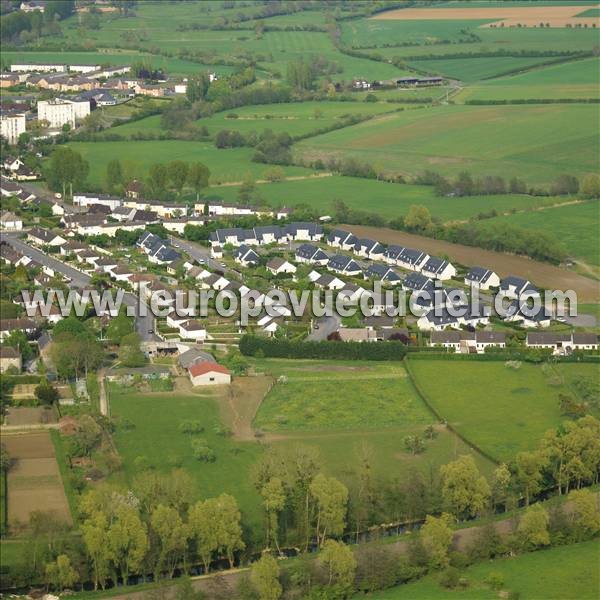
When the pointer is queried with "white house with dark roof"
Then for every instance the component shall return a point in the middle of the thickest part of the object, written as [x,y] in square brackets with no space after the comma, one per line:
[438,268]
[411,259]
[329,282]
[339,238]
[245,256]
[515,287]
[517,315]
[383,273]
[344,265]
[89,199]
[416,282]
[311,232]
[279,266]
[562,343]
[312,255]
[481,278]
[369,249]
[352,292]
[467,341]
[45,237]
[439,322]
[192,330]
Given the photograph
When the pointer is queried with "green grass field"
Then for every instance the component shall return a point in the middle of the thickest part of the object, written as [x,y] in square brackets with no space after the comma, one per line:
[474,69]
[371,398]
[575,225]
[225,165]
[387,199]
[576,79]
[295,118]
[500,409]
[156,436]
[532,142]
[561,573]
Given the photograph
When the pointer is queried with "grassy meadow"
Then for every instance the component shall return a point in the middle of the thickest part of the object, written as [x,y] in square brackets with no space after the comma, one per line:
[228,165]
[575,225]
[387,199]
[560,573]
[372,398]
[574,79]
[502,410]
[532,142]
[155,435]
[294,118]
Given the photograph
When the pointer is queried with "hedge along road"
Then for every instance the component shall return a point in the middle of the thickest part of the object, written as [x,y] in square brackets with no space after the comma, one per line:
[542,274]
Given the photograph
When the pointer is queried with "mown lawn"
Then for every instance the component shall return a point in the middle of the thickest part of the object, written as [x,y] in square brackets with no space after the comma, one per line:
[561,573]
[225,165]
[500,409]
[389,200]
[532,142]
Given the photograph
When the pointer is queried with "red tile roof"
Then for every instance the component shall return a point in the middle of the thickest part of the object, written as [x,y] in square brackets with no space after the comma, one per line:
[207,366]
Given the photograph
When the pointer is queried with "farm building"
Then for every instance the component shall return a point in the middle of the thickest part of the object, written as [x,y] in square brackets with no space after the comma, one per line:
[207,372]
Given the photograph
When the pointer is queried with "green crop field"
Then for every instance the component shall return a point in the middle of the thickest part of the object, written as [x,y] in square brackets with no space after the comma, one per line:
[501,409]
[225,165]
[532,142]
[295,118]
[474,69]
[156,419]
[366,33]
[376,398]
[561,573]
[575,225]
[576,79]
[389,200]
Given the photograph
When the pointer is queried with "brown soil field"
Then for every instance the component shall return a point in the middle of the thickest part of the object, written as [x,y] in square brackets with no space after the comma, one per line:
[30,415]
[34,482]
[544,275]
[555,16]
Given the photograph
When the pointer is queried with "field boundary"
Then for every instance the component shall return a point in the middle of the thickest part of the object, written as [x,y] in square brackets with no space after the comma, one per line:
[438,415]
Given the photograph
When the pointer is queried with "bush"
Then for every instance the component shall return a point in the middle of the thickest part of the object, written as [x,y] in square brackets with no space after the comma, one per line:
[450,578]
[203,452]
[495,580]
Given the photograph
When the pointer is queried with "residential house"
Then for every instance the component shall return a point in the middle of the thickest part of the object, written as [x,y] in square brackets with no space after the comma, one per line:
[329,282]
[369,249]
[207,372]
[191,356]
[309,254]
[417,282]
[88,199]
[481,278]
[344,265]
[339,238]
[245,256]
[356,334]
[311,232]
[438,268]
[279,266]
[383,273]
[10,358]
[7,326]
[468,342]
[352,292]
[439,322]
[562,343]
[45,237]
[517,314]
[10,222]
[515,287]
[412,259]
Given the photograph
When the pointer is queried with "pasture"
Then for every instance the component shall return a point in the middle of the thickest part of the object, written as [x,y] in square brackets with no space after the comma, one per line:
[389,200]
[559,573]
[500,409]
[532,142]
[34,483]
[369,398]
[294,118]
[575,79]
[576,225]
[154,434]
[229,165]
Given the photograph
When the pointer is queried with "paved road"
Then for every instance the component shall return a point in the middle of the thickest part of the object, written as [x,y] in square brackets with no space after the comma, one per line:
[144,324]
[201,254]
[327,325]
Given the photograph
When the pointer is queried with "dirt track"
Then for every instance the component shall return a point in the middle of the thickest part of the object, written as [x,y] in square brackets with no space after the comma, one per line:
[542,274]
[555,16]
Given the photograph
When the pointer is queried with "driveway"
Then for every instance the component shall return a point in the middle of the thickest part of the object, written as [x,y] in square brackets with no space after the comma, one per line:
[326,325]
